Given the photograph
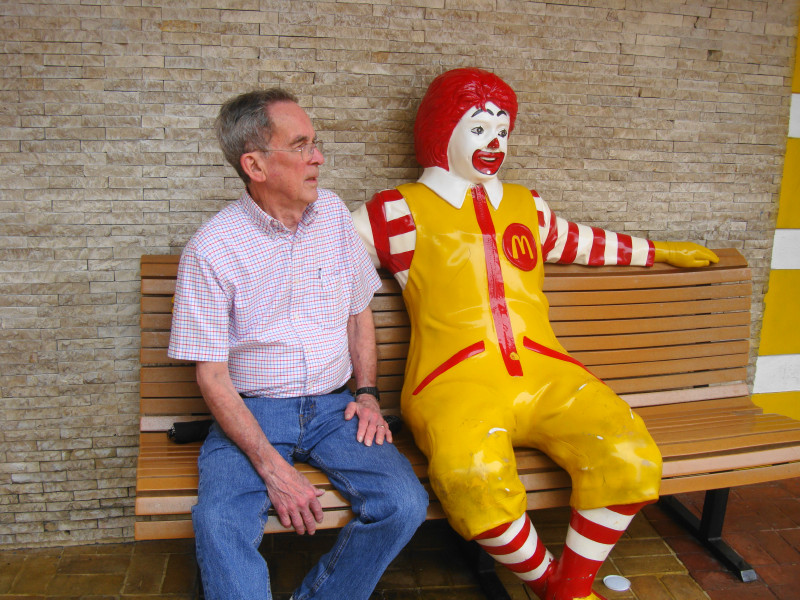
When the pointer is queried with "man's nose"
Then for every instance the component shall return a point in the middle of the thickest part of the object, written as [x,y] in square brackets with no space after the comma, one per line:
[494,144]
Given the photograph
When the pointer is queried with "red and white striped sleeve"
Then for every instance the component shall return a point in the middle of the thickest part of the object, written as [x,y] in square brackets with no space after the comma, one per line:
[387,229]
[571,243]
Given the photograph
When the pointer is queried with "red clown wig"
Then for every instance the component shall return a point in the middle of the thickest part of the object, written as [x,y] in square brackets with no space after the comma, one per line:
[448,97]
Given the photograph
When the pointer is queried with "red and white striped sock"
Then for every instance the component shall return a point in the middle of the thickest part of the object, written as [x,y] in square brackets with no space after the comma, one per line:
[591,536]
[517,546]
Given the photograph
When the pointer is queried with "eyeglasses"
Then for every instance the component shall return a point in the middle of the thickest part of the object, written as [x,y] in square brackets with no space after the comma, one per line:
[306,150]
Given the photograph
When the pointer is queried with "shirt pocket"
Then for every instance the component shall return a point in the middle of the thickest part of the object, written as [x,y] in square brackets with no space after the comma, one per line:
[327,303]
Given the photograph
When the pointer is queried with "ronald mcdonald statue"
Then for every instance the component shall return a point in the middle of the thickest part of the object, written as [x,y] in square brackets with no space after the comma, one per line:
[485,372]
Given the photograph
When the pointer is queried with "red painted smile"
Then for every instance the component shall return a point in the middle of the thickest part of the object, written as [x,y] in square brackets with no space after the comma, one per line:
[487,162]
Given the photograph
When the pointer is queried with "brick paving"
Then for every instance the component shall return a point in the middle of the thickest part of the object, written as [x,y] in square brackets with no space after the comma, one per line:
[763,525]
[660,559]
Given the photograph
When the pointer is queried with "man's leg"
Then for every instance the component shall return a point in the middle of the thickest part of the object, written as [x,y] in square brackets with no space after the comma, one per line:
[232,505]
[386,496]
[229,522]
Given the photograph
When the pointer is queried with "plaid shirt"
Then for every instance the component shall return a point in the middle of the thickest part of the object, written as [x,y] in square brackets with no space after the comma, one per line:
[271,303]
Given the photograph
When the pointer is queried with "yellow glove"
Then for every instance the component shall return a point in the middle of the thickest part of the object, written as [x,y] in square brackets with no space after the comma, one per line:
[684,254]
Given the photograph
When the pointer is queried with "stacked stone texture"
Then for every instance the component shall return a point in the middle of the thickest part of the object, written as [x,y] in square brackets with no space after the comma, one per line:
[661,119]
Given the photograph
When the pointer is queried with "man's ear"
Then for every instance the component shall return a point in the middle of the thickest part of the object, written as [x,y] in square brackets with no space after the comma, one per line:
[253,166]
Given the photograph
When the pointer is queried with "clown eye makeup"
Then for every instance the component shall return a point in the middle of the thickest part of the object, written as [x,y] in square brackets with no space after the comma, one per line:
[477,130]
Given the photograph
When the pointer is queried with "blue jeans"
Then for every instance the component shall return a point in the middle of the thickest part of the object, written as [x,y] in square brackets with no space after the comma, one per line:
[387,498]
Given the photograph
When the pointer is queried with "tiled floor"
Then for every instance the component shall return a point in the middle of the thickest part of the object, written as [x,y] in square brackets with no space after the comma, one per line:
[763,526]
[661,560]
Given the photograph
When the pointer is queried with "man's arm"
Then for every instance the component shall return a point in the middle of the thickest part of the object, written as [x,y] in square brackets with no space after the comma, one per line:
[292,495]
[364,354]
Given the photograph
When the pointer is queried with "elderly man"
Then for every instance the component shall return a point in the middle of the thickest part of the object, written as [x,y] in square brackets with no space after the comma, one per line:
[485,371]
[272,302]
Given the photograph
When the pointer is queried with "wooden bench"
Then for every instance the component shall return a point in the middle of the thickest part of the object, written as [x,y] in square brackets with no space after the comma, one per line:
[673,343]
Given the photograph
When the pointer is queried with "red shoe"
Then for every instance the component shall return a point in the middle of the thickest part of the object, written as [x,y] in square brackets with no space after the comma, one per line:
[592,596]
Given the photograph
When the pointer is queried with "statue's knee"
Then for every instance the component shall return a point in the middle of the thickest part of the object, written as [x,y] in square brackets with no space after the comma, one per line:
[475,479]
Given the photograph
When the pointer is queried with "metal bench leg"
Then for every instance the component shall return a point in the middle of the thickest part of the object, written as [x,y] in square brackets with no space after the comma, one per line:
[708,529]
[483,567]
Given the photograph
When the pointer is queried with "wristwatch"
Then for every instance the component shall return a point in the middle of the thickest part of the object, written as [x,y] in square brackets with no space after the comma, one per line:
[372,391]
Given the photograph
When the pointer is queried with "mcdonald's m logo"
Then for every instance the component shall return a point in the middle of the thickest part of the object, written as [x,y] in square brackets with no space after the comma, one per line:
[519,246]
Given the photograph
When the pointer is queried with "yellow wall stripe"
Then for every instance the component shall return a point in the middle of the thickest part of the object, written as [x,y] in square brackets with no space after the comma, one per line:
[780,329]
[783,403]
[776,387]
[796,78]
[789,210]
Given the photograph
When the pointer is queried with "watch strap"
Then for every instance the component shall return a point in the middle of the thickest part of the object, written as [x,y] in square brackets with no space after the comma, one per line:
[371,390]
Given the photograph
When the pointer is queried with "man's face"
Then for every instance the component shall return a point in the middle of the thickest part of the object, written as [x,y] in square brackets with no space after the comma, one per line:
[291,179]
[478,144]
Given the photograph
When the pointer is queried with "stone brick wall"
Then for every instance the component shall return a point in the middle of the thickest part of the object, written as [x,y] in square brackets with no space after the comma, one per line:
[663,119]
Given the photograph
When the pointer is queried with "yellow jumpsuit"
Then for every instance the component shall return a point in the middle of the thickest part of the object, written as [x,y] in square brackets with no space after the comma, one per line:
[485,371]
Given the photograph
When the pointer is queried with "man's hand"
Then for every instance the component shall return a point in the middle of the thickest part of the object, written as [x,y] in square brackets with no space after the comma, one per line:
[293,497]
[684,254]
[291,494]
[371,425]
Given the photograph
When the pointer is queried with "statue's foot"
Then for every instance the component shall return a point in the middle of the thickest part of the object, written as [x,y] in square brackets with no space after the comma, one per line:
[592,596]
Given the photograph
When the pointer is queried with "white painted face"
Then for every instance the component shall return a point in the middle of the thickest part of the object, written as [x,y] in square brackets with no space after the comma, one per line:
[478,144]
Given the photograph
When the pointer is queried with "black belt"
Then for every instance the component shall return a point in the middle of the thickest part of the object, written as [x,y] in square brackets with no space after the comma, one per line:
[338,390]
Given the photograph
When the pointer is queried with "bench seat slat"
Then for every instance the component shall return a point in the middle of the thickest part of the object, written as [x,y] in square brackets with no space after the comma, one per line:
[712,481]
[733,395]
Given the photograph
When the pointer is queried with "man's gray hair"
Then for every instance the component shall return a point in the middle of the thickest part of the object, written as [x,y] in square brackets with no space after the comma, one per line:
[243,124]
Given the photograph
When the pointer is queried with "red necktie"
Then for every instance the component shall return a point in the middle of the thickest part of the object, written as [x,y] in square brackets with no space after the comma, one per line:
[497,291]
